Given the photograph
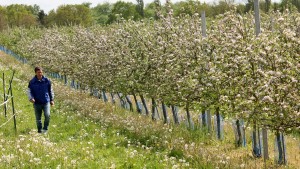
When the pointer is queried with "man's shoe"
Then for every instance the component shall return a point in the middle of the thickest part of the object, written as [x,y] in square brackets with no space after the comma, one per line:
[44,131]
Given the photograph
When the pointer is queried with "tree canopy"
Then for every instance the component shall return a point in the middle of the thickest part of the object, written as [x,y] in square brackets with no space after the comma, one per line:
[108,13]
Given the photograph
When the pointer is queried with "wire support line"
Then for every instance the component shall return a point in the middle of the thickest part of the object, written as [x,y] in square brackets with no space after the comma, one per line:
[8,120]
[6,101]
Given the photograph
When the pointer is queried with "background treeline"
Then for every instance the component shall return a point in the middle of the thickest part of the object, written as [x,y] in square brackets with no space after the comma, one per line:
[106,13]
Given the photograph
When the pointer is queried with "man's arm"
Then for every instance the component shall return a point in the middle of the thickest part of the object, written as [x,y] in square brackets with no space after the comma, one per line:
[29,94]
[51,93]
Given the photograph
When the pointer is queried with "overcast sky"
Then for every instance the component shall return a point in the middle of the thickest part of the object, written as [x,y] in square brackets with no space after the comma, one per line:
[48,5]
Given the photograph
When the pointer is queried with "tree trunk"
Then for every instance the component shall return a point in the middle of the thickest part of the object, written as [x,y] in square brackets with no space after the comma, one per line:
[188,115]
[104,96]
[137,105]
[256,143]
[164,110]
[239,133]
[153,106]
[175,115]
[145,104]
[130,103]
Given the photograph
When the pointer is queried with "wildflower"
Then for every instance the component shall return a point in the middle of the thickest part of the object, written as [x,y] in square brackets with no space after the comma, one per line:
[73,162]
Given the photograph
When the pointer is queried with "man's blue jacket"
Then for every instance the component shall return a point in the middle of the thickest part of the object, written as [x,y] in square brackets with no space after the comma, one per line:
[40,90]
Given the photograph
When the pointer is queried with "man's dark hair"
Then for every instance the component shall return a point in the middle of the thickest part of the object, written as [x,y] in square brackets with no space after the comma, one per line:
[37,69]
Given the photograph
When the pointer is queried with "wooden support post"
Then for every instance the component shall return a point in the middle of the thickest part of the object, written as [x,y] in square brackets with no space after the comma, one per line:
[4,97]
[257,32]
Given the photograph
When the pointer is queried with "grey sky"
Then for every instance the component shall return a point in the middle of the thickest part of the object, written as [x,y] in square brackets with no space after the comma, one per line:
[48,5]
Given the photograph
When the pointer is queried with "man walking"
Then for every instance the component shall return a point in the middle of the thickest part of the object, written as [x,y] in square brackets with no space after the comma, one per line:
[40,93]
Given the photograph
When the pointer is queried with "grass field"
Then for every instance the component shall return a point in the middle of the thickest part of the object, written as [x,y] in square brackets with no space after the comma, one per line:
[84,132]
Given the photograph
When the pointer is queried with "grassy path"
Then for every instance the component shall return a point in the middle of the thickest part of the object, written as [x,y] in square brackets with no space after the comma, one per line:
[86,133]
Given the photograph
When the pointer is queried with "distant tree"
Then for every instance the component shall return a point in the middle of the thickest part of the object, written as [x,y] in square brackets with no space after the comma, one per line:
[20,15]
[150,10]
[249,6]
[297,4]
[240,8]
[190,7]
[70,15]
[222,7]
[140,7]
[50,18]
[276,6]
[157,8]
[41,17]
[291,5]
[87,4]
[125,10]
[3,19]
[101,12]
[35,9]
[267,5]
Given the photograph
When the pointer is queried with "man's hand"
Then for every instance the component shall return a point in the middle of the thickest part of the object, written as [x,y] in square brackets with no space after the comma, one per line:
[52,103]
[32,100]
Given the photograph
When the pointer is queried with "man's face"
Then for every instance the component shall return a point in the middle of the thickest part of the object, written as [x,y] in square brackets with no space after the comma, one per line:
[39,74]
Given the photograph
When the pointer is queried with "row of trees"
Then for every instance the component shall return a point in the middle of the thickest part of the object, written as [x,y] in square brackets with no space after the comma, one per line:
[107,13]
[230,70]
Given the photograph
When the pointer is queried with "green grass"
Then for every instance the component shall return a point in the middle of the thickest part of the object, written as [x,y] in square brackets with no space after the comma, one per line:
[74,140]
[86,133]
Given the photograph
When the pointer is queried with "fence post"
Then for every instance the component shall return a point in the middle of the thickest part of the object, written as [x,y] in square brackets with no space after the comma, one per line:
[203,29]
[203,117]
[257,32]
[4,96]
[218,119]
[12,101]
[208,114]
[256,151]
[280,156]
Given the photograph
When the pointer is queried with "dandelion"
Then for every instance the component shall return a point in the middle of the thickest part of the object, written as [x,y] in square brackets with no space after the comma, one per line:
[186,146]
[131,154]
[37,160]
[73,162]
[113,166]
[175,166]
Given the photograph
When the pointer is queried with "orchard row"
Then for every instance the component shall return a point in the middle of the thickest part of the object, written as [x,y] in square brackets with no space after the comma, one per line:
[178,61]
